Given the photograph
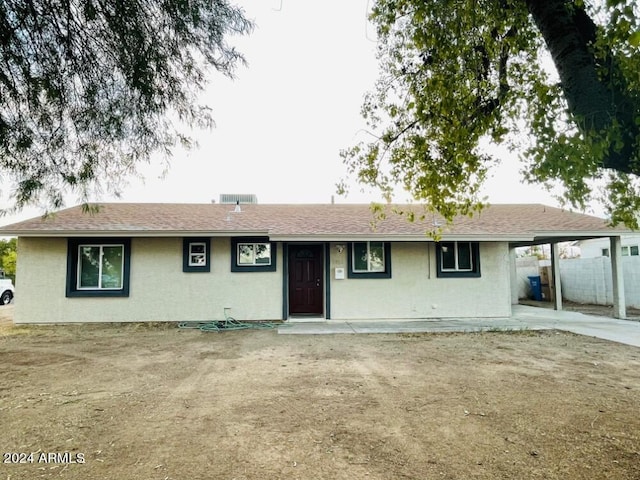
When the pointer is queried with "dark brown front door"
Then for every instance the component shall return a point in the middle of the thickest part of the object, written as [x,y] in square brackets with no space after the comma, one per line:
[305,279]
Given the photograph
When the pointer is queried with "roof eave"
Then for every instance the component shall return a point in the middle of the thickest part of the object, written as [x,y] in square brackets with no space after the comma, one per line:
[132,233]
[377,237]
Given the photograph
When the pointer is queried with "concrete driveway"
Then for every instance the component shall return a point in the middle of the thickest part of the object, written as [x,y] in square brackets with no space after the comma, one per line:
[523,318]
[613,329]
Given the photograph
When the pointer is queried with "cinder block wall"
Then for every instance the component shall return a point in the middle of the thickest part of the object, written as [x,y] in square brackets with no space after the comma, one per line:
[526,266]
[588,280]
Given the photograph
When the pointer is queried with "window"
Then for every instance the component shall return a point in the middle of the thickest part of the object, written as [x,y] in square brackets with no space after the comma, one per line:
[196,255]
[369,260]
[627,250]
[98,268]
[254,254]
[458,259]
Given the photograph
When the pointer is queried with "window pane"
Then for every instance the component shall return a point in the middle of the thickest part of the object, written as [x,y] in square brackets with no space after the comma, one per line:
[464,256]
[605,252]
[633,250]
[625,251]
[360,260]
[263,253]
[89,265]
[197,259]
[245,254]
[448,256]
[376,257]
[197,247]
[112,266]
[197,255]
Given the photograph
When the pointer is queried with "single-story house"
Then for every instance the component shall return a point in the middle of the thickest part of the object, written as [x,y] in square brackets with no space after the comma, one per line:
[188,262]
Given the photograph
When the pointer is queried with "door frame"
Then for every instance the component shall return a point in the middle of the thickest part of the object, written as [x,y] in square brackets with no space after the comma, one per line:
[325,274]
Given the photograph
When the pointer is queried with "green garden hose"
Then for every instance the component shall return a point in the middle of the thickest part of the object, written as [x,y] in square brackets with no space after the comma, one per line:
[229,323]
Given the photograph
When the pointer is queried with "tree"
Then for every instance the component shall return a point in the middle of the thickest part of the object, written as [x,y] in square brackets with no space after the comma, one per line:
[8,257]
[89,89]
[458,75]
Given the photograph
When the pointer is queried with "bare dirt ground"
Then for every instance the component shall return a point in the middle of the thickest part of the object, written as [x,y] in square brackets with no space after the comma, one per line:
[155,402]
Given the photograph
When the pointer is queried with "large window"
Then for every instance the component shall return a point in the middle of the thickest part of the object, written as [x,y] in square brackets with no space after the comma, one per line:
[369,260]
[98,268]
[196,255]
[255,254]
[458,259]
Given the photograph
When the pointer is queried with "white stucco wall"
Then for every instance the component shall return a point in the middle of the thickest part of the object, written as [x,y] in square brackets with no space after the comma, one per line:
[159,289]
[414,291]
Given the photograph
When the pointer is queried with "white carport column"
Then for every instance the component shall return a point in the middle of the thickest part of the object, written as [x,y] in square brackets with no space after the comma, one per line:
[513,275]
[555,271]
[619,302]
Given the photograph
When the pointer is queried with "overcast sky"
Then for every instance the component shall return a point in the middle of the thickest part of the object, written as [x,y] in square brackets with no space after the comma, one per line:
[281,124]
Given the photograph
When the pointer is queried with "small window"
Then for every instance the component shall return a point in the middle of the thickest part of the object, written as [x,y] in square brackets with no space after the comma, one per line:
[605,252]
[98,268]
[253,255]
[196,255]
[633,251]
[369,260]
[458,259]
[625,251]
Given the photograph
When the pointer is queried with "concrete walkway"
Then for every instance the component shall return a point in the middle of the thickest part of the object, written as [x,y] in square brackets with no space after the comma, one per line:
[523,318]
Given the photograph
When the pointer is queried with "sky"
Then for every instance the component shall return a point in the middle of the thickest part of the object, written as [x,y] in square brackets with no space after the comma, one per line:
[281,123]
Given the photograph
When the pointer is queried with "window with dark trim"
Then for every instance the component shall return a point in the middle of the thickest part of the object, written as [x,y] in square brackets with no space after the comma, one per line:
[369,260]
[196,255]
[253,254]
[458,259]
[98,267]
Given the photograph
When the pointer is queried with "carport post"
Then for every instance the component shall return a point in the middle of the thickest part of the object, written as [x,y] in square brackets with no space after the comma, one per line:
[617,277]
[555,271]
[513,274]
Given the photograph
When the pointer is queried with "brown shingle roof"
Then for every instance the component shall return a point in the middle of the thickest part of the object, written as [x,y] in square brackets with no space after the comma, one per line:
[514,222]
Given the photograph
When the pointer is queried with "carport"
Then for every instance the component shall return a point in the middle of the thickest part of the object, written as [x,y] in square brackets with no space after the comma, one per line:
[617,280]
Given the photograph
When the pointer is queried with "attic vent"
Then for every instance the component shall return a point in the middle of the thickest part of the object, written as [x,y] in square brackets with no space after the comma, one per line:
[235,198]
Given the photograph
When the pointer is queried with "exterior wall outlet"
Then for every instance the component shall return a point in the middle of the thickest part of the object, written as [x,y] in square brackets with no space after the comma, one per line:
[339,273]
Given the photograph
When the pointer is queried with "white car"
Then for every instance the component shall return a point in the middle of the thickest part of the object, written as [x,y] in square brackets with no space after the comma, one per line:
[8,291]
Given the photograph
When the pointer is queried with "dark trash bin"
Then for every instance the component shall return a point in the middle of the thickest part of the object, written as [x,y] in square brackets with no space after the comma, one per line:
[536,287]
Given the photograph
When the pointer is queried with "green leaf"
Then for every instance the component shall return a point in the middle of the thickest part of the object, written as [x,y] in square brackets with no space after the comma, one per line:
[461,77]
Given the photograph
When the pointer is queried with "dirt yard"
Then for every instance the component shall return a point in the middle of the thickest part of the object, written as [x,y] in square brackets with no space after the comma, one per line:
[155,402]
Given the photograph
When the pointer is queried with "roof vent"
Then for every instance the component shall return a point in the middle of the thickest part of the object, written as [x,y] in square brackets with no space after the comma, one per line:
[238,198]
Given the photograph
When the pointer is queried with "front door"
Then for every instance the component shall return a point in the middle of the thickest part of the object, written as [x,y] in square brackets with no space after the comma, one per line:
[305,279]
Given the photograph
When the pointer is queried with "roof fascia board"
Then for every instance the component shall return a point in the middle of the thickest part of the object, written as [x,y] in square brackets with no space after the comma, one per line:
[131,233]
[581,233]
[396,238]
